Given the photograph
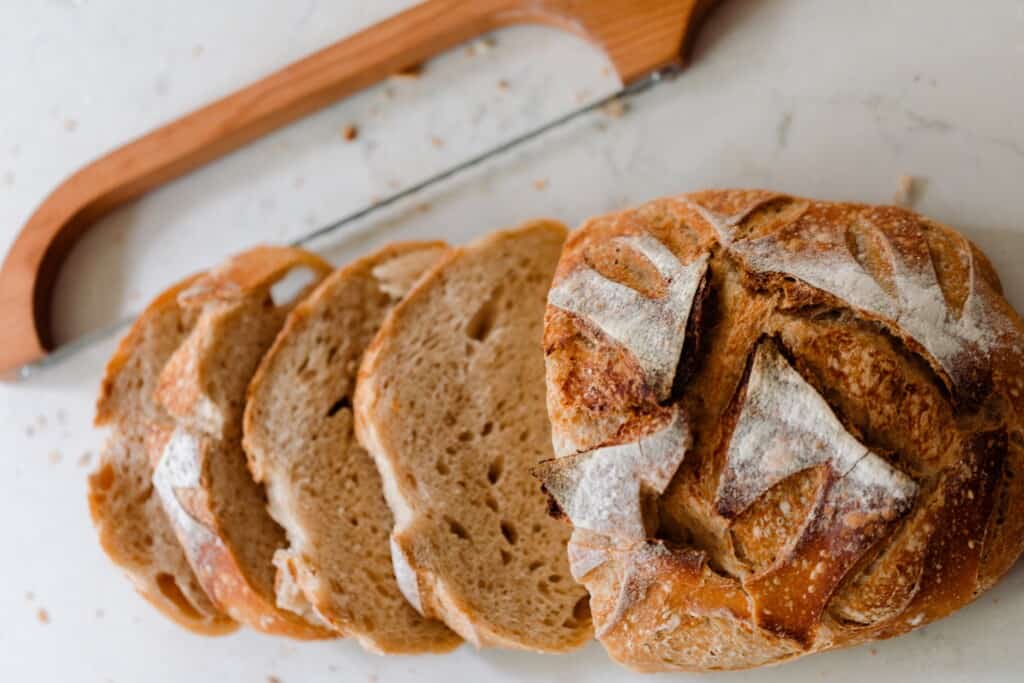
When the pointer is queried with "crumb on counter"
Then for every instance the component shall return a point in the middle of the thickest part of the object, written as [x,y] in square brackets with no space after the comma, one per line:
[616,109]
[502,84]
[906,191]
[54,457]
[350,132]
[540,184]
[43,616]
[436,141]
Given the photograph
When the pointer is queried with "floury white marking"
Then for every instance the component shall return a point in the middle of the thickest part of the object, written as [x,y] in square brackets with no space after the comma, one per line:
[959,341]
[179,469]
[786,427]
[653,330]
[600,490]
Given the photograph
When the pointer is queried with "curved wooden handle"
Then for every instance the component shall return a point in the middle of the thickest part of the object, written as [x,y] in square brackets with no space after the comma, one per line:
[639,36]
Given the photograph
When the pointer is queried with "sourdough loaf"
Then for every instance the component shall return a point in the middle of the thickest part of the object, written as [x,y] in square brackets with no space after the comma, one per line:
[218,511]
[133,528]
[323,487]
[782,426]
[450,404]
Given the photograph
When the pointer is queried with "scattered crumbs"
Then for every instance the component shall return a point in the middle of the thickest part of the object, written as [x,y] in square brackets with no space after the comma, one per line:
[873,651]
[905,191]
[375,199]
[273,679]
[54,457]
[605,71]
[197,51]
[30,596]
[481,47]
[100,613]
[540,184]
[489,41]
[995,601]
[502,84]
[616,109]
[9,178]
[298,182]
[43,616]
[436,141]
[423,208]
[410,73]
[582,96]
[350,132]
[70,125]
[601,125]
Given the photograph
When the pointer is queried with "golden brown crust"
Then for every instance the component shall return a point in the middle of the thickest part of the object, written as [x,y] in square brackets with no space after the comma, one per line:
[887,326]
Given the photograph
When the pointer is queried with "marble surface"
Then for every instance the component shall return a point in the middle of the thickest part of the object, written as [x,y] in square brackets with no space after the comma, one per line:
[830,98]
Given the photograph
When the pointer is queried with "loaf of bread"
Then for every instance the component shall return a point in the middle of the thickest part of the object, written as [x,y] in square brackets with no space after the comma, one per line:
[781,426]
[218,511]
[450,404]
[323,488]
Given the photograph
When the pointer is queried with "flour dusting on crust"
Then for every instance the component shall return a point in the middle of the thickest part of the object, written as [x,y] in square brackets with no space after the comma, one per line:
[653,330]
[600,490]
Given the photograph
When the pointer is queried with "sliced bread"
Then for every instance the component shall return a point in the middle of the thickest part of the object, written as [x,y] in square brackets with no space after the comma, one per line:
[322,486]
[450,404]
[133,528]
[217,509]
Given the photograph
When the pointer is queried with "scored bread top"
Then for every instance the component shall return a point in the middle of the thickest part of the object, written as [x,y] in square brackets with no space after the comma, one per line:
[847,394]
[322,486]
[450,405]
[217,509]
[133,528]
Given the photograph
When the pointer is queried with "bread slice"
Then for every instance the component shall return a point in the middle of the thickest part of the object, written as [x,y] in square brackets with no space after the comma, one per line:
[218,511]
[133,528]
[322,485]
[450,403]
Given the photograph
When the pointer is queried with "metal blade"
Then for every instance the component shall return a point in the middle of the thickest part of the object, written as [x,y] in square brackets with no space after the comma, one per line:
[68,349]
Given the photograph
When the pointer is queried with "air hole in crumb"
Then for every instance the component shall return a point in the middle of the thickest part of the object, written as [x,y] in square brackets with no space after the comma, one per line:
[456,528]
[554,578]
[506,557]
[286,290]
[535,565]
[442,468]
[465,436]
[524,436]
[495,468]
[482,322]
[508,530]
[491,502]
[581,610]
[104,477]
[487,429]
[342,402]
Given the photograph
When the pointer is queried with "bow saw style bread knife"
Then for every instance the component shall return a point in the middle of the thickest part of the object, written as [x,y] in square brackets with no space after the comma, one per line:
[645,40]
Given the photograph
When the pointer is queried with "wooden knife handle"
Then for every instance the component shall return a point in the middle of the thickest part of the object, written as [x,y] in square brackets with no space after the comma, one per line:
[638,36]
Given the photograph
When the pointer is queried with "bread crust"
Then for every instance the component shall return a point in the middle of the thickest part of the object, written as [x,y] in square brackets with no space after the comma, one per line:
[853,396]
[159,572]
[208,427]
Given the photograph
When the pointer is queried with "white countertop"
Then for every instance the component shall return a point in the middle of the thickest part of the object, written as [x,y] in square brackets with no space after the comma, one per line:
[827,98]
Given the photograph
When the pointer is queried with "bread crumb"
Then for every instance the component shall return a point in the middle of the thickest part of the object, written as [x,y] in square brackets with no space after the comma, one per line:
[350,132]
[582,96]
[410,73]
[273,679]
[873,651]
[905,192]
[540,184]
[616,109]
[43,616]
[436,141]
[482,46]
[502,84]
[54,457]
[70,125]
[424,207]
[605,71]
